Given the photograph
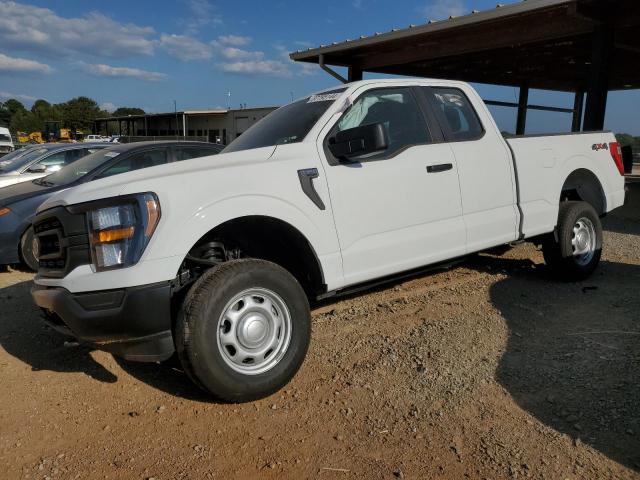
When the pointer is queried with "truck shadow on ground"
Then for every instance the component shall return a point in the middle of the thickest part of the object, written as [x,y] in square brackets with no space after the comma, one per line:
[24,335]
[625,219]
[572,359]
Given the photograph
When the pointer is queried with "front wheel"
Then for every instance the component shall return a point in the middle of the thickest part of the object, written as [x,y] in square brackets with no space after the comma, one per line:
[28,250]
[243,330]
[574,251]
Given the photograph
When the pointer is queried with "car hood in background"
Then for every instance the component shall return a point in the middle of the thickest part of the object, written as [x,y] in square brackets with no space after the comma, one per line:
[144,179]
[23,191]
[6,180]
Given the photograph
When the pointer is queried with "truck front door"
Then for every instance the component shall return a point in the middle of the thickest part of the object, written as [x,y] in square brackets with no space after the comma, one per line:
[401,208]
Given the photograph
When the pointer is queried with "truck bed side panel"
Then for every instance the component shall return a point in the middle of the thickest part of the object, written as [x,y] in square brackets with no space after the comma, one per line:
[545,162]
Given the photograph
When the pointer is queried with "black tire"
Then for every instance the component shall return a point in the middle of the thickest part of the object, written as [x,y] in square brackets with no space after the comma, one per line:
[27,254]
[198,324]
[558,249]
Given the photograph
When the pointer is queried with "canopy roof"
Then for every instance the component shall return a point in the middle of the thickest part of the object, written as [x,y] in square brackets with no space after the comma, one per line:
[546,44]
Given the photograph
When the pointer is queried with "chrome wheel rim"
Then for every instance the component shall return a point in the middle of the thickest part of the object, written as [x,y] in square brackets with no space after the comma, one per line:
[254,331]
[583,241]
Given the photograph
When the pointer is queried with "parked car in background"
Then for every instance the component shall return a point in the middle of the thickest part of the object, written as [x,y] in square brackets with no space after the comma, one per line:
[18,203]
[12,156]
[6,143]
[324,196]
[95,139]
[42,160]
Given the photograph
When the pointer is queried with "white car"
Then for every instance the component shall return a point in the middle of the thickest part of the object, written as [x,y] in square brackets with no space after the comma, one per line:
[39,161]
[6,143]
[96,139]
[339,190]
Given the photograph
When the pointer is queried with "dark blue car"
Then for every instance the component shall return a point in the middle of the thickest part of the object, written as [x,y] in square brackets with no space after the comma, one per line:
[18,203]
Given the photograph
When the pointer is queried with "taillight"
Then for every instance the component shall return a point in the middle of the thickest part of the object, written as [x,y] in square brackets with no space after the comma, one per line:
[616,154]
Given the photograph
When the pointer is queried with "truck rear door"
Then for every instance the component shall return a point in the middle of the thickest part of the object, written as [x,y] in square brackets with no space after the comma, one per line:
[485,167]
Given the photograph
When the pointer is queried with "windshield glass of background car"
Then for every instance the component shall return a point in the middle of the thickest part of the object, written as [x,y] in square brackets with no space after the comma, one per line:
[4,138]
[288,124]
[11,157]
[19,162]
[80,168]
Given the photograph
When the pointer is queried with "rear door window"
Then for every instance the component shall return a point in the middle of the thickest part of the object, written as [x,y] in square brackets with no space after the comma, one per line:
[456,113]
[137,161]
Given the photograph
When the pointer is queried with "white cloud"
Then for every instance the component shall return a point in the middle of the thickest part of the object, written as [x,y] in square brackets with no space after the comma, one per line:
[202,13]
[186,48]
[232,53]
[12,64]
[274,68]
[442,9]
[17,96]
[108,106]
[234,40]
[102,70]
[41,30]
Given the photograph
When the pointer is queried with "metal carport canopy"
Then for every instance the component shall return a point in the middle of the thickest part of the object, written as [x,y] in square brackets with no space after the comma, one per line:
[588,46]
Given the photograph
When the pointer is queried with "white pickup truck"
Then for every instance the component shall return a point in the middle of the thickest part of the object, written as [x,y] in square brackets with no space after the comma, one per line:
[218,260]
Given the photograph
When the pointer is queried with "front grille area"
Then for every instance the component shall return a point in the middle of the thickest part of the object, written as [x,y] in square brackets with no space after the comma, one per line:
[63,243]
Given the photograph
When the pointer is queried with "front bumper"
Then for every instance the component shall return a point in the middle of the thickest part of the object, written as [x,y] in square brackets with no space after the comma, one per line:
[133,323]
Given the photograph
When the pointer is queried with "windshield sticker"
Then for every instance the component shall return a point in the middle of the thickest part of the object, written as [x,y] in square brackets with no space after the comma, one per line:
[111,154]
[327,97]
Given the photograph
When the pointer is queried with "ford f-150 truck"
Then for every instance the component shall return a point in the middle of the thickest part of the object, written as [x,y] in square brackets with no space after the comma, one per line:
[219,260]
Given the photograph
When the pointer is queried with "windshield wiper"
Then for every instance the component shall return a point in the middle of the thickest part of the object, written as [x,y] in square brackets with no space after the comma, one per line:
[43,182]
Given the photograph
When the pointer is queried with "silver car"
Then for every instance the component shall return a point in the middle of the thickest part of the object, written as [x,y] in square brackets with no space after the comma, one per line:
[41,160]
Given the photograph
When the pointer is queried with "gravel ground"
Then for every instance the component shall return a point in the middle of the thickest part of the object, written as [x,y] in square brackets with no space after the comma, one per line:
[489,370]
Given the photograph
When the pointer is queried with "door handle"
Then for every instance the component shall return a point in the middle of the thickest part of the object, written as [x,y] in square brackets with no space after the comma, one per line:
[306,177]
[443,167]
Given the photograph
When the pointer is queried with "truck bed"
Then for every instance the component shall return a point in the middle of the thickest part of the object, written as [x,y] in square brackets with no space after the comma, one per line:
[543,164]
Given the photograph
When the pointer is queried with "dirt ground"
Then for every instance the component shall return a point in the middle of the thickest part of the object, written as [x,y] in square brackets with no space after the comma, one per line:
[489,370]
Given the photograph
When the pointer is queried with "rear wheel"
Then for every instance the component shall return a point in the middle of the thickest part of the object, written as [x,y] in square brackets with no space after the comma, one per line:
[244,330]
[29,249]
[574,251]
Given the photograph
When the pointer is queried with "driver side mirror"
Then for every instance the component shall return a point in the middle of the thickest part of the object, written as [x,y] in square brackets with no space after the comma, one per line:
[37,168]
[41,168]
[359,141]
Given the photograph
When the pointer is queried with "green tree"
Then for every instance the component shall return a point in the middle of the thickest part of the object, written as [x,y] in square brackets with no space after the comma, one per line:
[124,111]
[626,139]
[5,116]
[8,109]
[25,121]
[80,113]
[46,111]
[14,106]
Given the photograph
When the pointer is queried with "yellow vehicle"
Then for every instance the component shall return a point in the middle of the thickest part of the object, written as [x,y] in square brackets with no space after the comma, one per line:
[34,137]
[63,135]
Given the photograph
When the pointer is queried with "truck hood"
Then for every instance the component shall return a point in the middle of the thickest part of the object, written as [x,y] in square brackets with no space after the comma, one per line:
[143,180]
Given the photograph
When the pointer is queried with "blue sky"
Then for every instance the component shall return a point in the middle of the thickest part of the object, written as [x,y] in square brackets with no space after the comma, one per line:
[149,53]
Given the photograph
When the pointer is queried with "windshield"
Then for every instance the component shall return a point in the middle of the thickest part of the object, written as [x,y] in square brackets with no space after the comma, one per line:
[4,138]
[10,157]
[79,168]
[20,161]
[288,124]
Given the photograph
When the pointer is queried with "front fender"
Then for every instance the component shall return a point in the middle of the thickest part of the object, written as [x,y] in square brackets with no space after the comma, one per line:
[184,233]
